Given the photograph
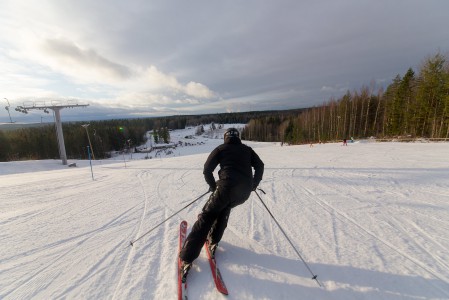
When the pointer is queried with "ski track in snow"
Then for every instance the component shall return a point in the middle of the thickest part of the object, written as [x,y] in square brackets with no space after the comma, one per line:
[372,228]
[144,211]
[333,211]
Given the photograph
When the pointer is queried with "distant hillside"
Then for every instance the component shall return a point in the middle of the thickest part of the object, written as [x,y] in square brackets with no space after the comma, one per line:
[15,126]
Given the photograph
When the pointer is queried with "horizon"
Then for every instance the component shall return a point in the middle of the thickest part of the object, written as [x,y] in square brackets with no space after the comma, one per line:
[141,117]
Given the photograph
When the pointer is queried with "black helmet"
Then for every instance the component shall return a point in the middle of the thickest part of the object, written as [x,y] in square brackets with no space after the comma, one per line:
[231,132]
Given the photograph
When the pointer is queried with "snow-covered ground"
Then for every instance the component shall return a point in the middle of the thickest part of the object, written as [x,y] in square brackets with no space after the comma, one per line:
[370,219]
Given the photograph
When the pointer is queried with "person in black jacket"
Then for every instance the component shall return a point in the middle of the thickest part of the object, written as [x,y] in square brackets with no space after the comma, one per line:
[235,184]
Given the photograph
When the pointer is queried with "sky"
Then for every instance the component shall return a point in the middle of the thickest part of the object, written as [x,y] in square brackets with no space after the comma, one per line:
[130,59]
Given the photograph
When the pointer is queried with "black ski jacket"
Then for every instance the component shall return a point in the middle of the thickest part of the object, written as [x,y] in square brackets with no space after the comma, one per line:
[236,162]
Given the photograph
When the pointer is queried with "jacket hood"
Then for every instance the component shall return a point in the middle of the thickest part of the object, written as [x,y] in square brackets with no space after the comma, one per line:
[232,140]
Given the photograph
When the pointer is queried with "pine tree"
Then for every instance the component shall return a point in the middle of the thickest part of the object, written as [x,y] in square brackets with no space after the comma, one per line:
[155,136]
[431,93]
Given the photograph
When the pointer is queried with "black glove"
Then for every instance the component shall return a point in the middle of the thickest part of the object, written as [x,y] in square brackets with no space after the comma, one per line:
[255,186]
[212,188]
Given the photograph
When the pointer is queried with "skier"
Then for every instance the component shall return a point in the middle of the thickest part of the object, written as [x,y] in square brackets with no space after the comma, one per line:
[235,184]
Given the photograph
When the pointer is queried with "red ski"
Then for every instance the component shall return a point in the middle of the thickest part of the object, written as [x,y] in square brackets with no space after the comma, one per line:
[219,283]
[182,286]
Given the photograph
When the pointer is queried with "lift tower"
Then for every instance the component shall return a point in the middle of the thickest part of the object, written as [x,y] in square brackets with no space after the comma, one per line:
[56,106]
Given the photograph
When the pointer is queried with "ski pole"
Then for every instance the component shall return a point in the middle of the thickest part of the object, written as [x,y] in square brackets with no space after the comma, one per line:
[132,242]
[90,161]
[314,277]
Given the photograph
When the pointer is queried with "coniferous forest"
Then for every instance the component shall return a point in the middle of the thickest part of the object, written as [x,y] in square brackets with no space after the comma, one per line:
[413,105]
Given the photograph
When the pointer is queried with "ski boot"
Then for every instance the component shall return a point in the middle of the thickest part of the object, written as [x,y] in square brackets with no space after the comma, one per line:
[185,267]
[212,249]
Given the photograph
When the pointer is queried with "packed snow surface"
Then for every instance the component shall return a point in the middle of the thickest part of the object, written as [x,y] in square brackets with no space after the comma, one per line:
[370,219]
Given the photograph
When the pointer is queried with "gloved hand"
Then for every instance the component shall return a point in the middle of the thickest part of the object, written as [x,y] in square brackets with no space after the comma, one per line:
[212,188]
[255,186]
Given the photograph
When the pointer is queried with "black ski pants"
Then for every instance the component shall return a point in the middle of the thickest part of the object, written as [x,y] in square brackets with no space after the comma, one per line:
[213,219]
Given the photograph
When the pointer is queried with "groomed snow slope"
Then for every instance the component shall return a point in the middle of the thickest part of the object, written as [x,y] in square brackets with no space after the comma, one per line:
[371,219]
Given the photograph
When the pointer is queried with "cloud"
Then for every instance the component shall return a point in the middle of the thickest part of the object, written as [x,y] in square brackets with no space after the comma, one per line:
[199,90]
[158,80]
[128,86]
[71,57]
[337,88]
[136,84]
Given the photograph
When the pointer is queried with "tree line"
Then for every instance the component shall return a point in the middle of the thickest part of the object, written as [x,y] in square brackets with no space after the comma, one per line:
[413,105]
[40,142]
[105,136]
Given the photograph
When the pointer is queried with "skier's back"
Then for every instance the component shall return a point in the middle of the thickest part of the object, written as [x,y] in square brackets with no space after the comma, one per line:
[236,181]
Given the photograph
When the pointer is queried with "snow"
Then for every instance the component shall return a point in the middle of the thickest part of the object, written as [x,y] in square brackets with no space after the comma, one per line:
[370,219]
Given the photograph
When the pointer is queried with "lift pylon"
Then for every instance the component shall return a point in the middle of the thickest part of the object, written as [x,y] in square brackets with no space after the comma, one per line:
[56,106]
